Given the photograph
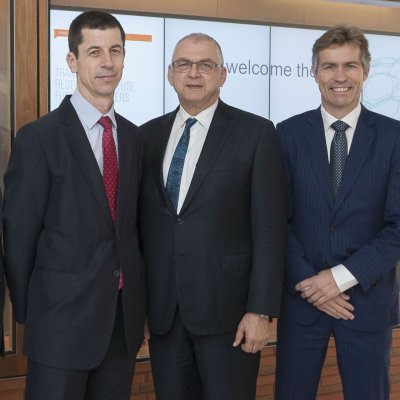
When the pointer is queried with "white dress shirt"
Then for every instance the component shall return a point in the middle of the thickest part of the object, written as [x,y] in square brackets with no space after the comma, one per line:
[198,134]
[89,117]
[343,277]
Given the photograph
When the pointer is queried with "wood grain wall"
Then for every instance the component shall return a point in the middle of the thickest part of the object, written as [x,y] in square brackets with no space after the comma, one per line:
[317,13]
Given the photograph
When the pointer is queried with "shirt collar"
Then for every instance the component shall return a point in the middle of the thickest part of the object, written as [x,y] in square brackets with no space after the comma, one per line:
[204,117]
[88,114]
[351,118]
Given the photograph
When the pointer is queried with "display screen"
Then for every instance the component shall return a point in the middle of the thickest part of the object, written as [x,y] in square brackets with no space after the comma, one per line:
[269,67]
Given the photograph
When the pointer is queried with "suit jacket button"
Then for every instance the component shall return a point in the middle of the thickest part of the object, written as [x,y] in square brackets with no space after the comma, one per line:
[333,230]
[116,274]
[180,221]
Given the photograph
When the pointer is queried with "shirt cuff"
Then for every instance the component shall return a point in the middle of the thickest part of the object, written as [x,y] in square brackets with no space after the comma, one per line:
[343,277]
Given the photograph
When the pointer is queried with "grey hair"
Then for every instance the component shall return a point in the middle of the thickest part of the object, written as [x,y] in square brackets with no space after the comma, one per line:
[198,37]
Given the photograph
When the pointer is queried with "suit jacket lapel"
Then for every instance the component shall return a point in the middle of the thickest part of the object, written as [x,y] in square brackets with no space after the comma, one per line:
[362,140]
[216,137]
[160,145]
[315,138]
[80,147]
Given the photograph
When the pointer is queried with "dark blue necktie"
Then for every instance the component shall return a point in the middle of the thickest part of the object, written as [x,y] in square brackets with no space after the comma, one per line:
[338,154]
[175,170]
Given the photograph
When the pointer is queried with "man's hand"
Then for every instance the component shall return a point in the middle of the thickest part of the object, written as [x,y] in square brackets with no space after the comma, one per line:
[338,307]
[319,288]
[252,333]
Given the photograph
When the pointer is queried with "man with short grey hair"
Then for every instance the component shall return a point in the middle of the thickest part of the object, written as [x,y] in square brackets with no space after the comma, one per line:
[213,228]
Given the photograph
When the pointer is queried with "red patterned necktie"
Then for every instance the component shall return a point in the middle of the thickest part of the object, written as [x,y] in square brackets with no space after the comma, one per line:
[110,165]
[110,170]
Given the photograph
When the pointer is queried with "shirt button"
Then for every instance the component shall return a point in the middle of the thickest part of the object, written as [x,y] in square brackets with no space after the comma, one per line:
[116,274]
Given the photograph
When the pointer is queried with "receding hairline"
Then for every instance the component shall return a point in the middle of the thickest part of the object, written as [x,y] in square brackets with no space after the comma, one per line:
[197,38]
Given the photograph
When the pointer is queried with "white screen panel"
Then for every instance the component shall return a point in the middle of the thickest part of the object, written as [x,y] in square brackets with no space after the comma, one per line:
[293,89]
[139,96]
[246,54]
[382,88]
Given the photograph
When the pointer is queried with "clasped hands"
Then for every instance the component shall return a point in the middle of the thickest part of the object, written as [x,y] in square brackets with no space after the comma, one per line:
[323,293]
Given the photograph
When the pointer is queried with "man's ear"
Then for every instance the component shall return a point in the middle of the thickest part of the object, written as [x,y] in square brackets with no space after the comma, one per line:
[71,61]
[314,73]
[170,78]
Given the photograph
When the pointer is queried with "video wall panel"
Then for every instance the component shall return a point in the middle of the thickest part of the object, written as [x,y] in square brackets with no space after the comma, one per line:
[246,54]
[269,67]
[139,96]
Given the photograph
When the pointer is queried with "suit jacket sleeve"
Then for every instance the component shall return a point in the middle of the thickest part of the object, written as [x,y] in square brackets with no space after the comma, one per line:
[371,262]
[27,187]
[268,221]
[298,267]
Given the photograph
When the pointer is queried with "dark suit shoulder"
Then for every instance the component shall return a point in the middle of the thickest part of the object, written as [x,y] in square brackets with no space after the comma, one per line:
[391,124]
[48,124]
[299,119]
[162,120]
[127,127]
[126,123]
[243,116]
[41,124]
[158,128]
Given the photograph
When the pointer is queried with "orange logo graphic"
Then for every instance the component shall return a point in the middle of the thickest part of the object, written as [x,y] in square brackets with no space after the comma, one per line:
[133,37]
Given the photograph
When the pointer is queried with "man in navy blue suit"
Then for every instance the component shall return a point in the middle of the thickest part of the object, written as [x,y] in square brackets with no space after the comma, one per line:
[344,230]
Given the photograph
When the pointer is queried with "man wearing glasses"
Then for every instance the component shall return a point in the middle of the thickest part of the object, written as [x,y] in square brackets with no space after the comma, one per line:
[213,229]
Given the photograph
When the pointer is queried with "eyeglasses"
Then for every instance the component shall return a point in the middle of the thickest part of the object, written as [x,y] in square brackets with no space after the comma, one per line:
[205,67]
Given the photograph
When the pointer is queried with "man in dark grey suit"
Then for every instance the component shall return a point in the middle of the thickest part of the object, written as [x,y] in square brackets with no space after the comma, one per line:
[72,259]
[343,167]
[213,228]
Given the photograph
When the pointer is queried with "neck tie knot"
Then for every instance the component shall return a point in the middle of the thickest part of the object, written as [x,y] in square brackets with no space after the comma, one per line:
[339,126]
[105,122]
[190,122]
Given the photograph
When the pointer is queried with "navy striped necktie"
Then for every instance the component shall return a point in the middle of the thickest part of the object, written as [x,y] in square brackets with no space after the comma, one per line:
[338,154]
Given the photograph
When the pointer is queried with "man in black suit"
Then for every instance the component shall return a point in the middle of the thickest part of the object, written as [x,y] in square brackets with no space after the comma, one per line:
[213,234]
[71,246]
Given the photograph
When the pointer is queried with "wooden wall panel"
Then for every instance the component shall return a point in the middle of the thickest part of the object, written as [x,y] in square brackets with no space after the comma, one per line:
[24,98]
[317,13]
[205,8]
[26,66]
[5,85]
[305,13]
[43,26]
